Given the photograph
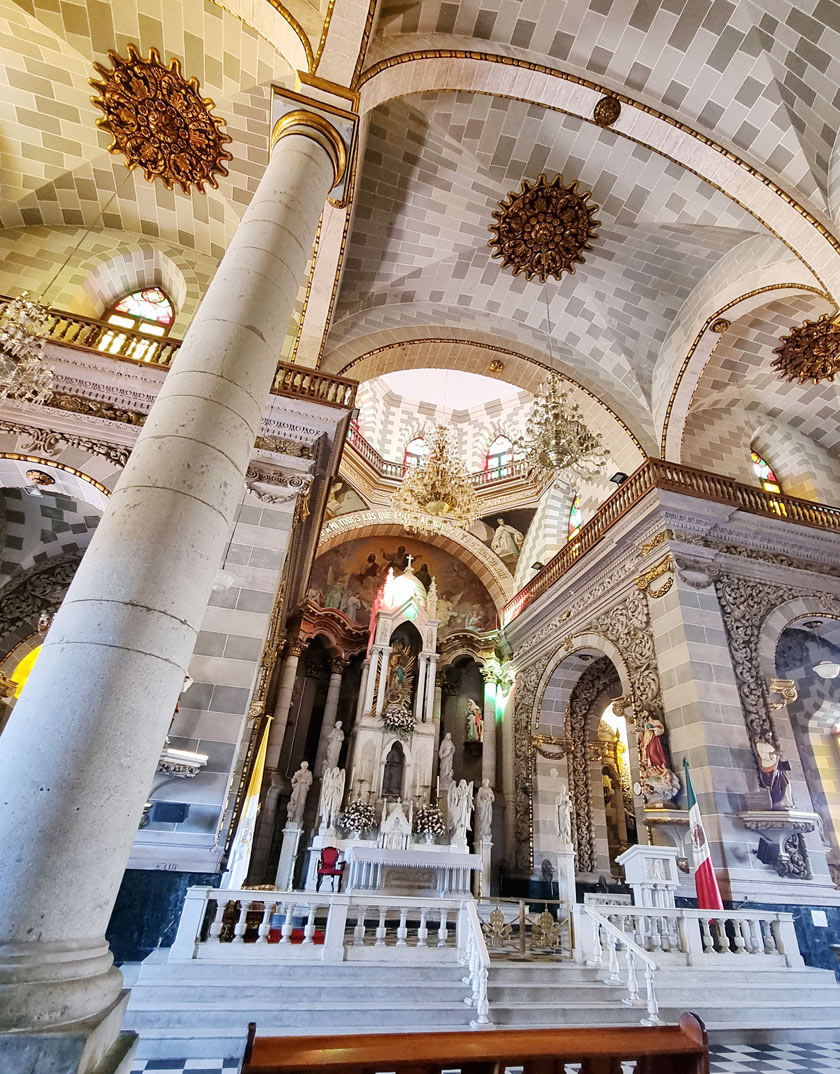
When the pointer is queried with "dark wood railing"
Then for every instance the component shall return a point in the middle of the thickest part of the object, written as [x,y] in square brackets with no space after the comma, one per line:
[682,1049]
[87,334]
[670,477]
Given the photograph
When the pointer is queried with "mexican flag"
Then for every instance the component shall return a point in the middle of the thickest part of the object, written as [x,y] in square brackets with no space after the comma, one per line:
[708,892]
[239,857]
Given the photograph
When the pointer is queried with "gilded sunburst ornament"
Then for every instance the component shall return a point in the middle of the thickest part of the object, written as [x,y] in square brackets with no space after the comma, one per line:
[159,121]
[544,228]
[811,351]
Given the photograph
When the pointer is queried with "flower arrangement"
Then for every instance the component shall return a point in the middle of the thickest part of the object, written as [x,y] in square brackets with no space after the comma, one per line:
[398,720]
[358,817]
[429,821]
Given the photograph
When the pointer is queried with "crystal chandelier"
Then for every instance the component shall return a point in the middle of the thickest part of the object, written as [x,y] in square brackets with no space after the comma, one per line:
[24,373]
[438,492]
[556,438]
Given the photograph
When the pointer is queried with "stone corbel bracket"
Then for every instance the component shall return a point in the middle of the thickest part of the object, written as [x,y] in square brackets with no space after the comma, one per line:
[783,832]
[645,580]
[785,688]
[552,747]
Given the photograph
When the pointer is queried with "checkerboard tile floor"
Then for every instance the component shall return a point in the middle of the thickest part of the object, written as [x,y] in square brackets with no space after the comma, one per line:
[725,1059]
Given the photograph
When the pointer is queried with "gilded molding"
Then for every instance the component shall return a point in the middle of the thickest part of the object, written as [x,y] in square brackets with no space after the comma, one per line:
[645,580]
[811,351]
[313,126]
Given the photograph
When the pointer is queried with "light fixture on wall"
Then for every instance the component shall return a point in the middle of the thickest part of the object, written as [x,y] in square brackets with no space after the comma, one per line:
[826,669]
[618,478]
[438,492]
[556,438]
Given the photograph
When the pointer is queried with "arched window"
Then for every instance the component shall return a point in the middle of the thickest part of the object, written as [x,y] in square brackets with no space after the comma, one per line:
[575,517]
[148,311]
[500,458]
[766,477]
[415,451]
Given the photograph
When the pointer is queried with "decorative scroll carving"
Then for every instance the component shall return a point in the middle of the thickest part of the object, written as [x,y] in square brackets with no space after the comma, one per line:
[525,697]
[645,580]
[51,443]
[159,121]
[745,603]
[283,445]
[551,747]
[793,860]
[811,351]
[655,541]
[598,678]
[39,589]
[78,404]
[786,689]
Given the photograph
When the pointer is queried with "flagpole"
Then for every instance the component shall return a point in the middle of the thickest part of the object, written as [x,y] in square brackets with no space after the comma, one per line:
[705,881]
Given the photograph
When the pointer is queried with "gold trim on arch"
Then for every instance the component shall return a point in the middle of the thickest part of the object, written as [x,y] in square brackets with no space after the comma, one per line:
[538,68]
[298,30]
[511,354]
[708,323]
[17,456]
[320,130]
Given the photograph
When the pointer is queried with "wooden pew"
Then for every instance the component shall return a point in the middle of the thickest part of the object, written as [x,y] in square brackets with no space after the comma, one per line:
[682,1049]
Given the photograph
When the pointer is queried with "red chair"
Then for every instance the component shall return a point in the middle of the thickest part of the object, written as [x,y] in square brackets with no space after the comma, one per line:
[329,865]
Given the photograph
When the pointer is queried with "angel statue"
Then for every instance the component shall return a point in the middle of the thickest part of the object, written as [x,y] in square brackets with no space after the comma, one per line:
[459,800]
[332,793]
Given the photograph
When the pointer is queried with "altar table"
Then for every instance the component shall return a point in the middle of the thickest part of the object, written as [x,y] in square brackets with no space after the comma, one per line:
[441,870]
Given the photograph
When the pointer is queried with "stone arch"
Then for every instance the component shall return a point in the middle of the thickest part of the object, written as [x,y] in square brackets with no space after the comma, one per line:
[40,588]
[511,76]
[784,615]
[475,555]
[109,279]
[802,466]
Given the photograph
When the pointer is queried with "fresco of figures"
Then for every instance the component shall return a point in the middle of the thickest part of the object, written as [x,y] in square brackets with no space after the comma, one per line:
[348,578]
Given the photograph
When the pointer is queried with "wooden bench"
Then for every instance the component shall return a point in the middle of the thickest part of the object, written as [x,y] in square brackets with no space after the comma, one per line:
[682,1049]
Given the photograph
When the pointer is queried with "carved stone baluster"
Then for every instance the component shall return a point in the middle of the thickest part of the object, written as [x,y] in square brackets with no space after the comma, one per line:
[422,931]
[215,933]
[359,930]
[265,923]
[241,924]
[597,946]
[380,928]
[708,941]
[769,937]
[756,944]
[722,940]
[443,931]
[612,944]
[741,937]
[288,925]
[402,931]
[632,982]
[309,927]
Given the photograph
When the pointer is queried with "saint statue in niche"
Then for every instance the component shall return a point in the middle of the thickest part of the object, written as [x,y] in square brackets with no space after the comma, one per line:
[392,777]
[507,542]
[475,722]
[401,665]
[773,774]
[660,784]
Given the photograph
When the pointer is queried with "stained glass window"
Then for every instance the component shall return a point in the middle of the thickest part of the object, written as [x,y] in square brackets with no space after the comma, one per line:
[148,311]
[575,517]
[766,477]
[500,458]
[415,451]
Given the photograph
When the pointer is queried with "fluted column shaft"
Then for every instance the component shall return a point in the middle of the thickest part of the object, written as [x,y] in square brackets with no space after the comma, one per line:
[330,713]
[80,751]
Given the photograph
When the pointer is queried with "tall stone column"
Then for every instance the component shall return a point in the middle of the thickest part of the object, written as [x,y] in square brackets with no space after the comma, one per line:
[488,749]
[370,681]
[283,704]
[509,779]
[363,686]
[438,702]
[337,667]
[79,754]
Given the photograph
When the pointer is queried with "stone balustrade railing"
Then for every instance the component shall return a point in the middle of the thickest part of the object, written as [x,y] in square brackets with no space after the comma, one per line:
[621,947]
[222,923]
[669,477]
[88,334]
[708,937]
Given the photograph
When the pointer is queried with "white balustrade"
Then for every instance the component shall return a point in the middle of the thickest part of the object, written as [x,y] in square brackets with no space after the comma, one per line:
[619,942]
[225,924]
[690,936]
[477,961]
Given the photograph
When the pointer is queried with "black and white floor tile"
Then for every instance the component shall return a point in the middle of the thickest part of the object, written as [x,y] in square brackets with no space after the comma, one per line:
[725,1059]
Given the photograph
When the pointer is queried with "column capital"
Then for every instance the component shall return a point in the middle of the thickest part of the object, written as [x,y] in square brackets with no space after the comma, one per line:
[337,665]
[334,129]
[295,648]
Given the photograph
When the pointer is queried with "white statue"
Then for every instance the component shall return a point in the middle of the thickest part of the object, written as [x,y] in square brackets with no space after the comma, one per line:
[301,782]
[446,754]
[484,799]
[563,809]
[459,799]
[507,541]
[332,793]
[334,741]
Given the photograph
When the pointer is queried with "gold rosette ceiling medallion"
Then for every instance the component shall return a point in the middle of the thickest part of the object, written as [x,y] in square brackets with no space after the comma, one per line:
[811,351]
[159,121]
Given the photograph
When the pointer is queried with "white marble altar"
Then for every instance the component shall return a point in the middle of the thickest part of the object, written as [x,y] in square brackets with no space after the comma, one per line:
[430,870]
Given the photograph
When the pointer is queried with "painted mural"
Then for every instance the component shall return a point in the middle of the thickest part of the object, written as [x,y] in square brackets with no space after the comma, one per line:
[348,578]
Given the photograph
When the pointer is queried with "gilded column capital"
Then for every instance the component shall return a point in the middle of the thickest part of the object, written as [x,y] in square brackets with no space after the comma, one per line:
[334,129]
[295,648]
[337,665]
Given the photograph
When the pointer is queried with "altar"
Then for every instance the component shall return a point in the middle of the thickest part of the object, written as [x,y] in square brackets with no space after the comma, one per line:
[430,870]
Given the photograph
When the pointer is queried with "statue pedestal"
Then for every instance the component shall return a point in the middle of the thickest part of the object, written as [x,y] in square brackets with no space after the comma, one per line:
[566,890]
[652,874]
[288,854]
